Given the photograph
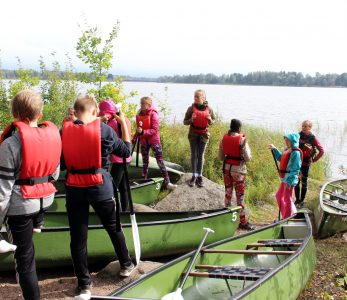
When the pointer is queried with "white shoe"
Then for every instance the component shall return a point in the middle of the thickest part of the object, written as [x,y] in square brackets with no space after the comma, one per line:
[126,271]
[37,230]
[6,247]
[171,186]
[84,295]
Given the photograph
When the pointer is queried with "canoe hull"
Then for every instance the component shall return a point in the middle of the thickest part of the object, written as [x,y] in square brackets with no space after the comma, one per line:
[286,279]
[161,234]
[329,220]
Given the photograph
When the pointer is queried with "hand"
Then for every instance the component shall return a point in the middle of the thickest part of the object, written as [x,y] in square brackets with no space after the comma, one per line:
[139,130]
[208,117]
[119,116]
[271,147]
[104,119]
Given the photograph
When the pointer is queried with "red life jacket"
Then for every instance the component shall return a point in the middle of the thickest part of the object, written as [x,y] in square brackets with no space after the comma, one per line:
[41,150]
[232,149]
[307,147]
[82,153]
[285,160]
[145,119]
[8,131]
[200,122]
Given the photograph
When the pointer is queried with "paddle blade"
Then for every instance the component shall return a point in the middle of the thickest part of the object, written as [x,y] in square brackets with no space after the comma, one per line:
[136,238]
[177,295]
[6,247]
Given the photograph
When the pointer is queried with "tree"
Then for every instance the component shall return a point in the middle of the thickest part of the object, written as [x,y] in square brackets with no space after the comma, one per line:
[97,54]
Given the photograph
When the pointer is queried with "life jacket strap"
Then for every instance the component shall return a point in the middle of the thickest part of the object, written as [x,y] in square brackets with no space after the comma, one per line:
[198,128]
[34,180]
[234,157]
[87,171]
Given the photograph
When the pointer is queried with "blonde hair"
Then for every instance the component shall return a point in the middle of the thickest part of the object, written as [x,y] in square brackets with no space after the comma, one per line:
[26,104]
[308,123]
[147,99]
[85,102]
[200,92]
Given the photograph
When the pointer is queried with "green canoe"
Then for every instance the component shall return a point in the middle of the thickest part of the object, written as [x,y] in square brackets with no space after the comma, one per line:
[161,234]
[143,191]
[331,213]
[274,262]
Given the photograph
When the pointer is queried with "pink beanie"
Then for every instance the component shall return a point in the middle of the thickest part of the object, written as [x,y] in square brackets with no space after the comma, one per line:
[107,107]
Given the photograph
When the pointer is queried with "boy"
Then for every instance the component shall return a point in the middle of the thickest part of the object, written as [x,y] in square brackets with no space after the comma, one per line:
[309,146]
[235,152]
[87,145]
[290,163]
[29,162]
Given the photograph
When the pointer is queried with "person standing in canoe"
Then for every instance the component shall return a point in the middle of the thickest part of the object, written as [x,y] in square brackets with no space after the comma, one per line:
[29,162]
[234,151]
[290,163]
[312,151]
[87,145]
[107,111]
[199,117]
[147,129]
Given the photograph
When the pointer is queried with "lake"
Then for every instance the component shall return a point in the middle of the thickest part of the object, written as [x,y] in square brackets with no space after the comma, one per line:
[275,108]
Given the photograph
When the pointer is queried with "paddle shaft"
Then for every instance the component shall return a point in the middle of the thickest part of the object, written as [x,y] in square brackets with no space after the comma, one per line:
[278,170]
[192,262]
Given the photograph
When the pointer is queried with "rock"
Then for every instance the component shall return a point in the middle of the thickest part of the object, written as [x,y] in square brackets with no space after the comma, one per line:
[143,208]
[344,237]
[186,198]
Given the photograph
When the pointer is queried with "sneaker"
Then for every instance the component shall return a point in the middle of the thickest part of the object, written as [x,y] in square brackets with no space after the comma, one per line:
[84,293]
[37,230]
[191,182]
[126,271]
[171,186]
[246,226]
[298,204]
[199,181]
[6,247]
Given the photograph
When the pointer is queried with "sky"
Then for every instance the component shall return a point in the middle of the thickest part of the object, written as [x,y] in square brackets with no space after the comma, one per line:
[182,37]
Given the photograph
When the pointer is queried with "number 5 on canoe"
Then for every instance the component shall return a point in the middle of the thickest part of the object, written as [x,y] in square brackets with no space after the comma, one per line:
[177,295]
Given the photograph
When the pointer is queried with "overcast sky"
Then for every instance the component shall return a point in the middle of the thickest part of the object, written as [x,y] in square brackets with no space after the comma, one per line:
[184,37]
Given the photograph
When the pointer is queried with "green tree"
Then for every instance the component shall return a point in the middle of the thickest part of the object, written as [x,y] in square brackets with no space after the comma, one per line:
[5,115]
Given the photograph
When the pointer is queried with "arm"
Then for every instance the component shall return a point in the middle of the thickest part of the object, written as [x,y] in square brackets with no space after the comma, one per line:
[320,149]
[7,177]
[188,116]
[293,166]
[246,151]
[276,152]
[110,143]
[212,118]
[120,118]
[221,155]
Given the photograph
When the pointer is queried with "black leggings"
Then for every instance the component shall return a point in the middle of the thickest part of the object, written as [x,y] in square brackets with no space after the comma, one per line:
[303,180]
[117,173]
[21,234]
[78,213]
[197,151]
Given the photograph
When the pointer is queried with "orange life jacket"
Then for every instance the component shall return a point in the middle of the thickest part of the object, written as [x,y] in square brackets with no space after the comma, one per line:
[82,153]
[285,160]
[144,119]
[41,150]
[232,149]
[200,122]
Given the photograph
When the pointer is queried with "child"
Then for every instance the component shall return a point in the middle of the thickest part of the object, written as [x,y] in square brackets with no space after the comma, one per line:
[199,116]
[29,161]
[147,128]
[107,111]
[235,152]
[309,145]
[70,114]
[290,163]
[87,145]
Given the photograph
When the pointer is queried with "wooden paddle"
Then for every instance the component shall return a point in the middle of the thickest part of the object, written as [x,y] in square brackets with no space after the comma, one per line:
[177,295]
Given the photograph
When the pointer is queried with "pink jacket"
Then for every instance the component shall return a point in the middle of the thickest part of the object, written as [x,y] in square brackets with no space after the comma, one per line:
[151,136]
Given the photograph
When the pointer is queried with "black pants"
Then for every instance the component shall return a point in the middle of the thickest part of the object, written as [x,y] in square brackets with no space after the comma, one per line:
[197,151]
[78,213]
[303,181]
[21,234]
[117,173]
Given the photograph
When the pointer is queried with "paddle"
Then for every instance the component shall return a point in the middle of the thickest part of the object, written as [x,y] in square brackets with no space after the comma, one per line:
[177,295]
[5,246]
[278,170]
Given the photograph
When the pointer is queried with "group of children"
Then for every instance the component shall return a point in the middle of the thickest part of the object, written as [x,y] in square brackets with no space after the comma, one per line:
[93,137]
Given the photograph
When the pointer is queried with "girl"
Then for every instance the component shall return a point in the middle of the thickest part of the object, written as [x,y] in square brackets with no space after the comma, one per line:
[290,163]
[198,116]
[147,129]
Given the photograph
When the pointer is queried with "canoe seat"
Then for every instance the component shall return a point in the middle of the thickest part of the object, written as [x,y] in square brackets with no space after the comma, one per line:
[232,272]
[335,205]
[277,243]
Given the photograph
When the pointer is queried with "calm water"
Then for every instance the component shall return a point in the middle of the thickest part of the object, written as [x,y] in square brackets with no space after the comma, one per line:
[277,108]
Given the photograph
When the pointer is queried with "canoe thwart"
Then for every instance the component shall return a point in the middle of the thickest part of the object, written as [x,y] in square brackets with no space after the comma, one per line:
[335,205]
[232,272]
[335,196]
[252,252]
[276,243]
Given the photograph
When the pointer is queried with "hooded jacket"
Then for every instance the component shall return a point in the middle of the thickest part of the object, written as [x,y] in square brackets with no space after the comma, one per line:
[294,164]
